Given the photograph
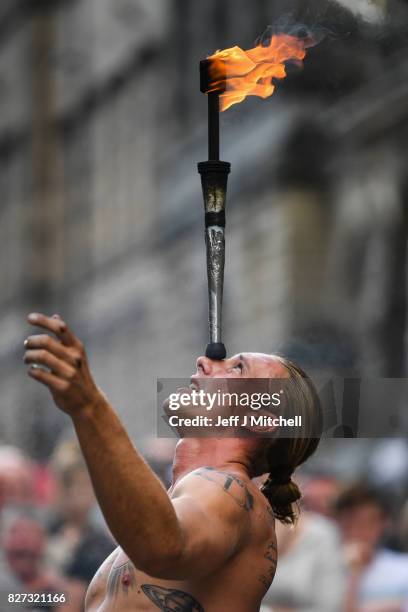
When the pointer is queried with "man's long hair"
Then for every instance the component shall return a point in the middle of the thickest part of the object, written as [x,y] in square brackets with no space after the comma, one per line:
[284,454]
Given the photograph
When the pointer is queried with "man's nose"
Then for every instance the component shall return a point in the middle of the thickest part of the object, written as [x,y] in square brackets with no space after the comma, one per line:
[206,365]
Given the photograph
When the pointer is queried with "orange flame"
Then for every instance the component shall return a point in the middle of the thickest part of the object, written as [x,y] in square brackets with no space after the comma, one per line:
[250,73]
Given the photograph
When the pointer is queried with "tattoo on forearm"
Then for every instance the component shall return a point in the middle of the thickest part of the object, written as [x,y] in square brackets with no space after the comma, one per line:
[121,579]
[271,556]
[171,600]
[229,485]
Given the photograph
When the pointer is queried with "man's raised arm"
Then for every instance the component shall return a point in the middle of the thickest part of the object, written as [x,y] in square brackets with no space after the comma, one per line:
[161,539]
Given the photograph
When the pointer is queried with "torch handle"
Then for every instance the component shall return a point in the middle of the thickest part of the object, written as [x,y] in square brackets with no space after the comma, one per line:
[213,126]
[215,244]
[214,175]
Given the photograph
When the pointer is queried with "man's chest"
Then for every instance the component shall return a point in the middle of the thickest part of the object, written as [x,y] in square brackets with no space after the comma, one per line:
[118,585]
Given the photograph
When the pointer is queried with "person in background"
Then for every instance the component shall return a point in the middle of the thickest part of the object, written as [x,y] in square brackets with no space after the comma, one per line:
[402,528]
[310,575]
[377,577]
[159,452]
[16,478]
[24,544]
[319,491]
[77,544]
[16,488]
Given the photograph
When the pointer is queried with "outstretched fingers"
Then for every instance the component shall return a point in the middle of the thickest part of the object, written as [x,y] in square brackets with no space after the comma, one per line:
[48,379]
[57,359]
[60,358]
[44,342]
[56,326]
[45,358]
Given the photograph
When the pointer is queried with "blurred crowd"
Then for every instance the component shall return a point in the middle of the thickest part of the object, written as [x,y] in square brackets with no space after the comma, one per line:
[53,538]
[347,553]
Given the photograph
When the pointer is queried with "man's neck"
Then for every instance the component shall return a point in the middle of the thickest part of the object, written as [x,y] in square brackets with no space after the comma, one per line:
[223,454]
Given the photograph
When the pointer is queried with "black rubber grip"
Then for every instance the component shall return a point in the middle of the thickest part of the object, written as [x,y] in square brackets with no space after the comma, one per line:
[213,218]
[216,351]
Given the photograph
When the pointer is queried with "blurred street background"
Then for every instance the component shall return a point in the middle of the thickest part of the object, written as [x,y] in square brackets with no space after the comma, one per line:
[101,220]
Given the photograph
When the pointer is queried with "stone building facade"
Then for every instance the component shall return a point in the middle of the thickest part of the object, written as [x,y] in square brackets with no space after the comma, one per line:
[101,127]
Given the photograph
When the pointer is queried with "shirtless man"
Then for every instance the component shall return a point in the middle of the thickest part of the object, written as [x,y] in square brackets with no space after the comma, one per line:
[208,544]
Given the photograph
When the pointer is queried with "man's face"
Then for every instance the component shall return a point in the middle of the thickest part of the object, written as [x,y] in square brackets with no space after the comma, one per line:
[364,524]
[76,495]
[24,548]
[246,374]
[244,365]
[319,493]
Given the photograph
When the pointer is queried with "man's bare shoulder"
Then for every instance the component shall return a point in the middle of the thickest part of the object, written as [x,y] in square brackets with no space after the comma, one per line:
[233,505]
[211,483]
[237,495]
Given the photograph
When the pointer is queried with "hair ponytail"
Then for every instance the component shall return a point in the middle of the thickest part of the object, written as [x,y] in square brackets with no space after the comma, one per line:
[282,493]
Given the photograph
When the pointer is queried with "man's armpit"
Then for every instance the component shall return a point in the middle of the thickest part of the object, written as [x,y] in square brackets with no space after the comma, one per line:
[232,486]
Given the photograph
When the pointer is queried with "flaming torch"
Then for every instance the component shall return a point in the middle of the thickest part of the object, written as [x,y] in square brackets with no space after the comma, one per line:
[227,78]
[214,176]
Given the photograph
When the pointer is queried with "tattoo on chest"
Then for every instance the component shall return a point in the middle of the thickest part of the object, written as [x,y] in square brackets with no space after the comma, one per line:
[232,485]
[121,579]
[271,557]
[171,600]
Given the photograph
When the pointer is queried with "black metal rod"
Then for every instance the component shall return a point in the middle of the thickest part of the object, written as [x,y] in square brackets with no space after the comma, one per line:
[213,126]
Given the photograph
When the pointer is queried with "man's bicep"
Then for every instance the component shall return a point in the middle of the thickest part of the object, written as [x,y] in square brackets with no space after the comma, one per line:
[213,512]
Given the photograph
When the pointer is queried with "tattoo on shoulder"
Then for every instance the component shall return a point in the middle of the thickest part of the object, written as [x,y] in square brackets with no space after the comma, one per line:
[229,485]
[121,579]
[171,600]
[270,513]
[271,556]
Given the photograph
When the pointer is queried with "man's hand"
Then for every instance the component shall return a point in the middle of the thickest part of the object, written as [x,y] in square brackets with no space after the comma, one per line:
[67,375]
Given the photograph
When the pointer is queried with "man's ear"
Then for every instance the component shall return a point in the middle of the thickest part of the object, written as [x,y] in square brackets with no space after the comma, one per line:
[261,422]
